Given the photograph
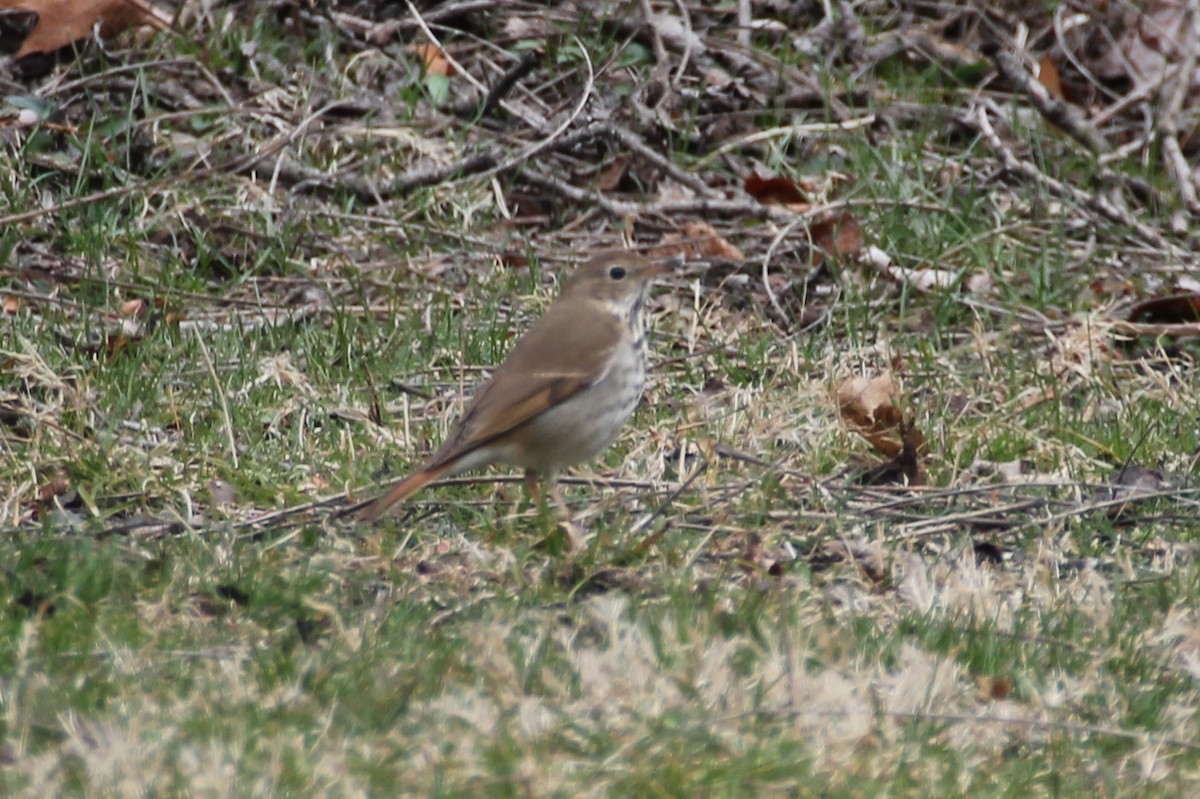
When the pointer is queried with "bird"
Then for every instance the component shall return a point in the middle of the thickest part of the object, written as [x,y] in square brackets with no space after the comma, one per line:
[565,389]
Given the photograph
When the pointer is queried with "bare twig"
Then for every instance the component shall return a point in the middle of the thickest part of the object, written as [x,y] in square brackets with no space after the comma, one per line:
[1054,110]
[1096,202]
[510,79]
[681,70]
[1177,165]
[638,146]
[745,19]
[660,52]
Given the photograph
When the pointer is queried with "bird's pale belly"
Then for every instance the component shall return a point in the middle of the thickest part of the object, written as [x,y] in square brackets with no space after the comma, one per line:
[583,426]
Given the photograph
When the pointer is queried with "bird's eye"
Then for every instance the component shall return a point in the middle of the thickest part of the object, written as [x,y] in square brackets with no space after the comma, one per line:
[617,273]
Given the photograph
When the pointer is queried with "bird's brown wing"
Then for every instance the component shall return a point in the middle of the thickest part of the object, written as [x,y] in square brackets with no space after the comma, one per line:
[556,359]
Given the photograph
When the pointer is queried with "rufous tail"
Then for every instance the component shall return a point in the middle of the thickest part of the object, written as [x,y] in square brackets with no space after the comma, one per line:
[403,490]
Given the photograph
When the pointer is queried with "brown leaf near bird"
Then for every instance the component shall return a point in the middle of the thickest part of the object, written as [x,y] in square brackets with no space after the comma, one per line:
[870,407]
[564,391]
[59,23]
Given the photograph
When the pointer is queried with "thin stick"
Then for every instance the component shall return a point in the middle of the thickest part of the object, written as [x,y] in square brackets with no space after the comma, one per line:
[1177,165]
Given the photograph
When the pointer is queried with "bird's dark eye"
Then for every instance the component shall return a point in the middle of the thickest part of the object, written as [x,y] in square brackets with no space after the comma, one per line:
[617,273]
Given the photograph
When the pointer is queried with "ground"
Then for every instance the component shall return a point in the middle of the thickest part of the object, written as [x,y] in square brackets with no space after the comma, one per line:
[909,507]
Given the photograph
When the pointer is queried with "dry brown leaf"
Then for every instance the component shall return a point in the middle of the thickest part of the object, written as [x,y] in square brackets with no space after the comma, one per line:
[776,191]
[905,467]
[709,243]
[869,405]
[136,307]
[62,22]
[1171,309]
[993,687]
[57,485]
[837,235]
[1049,76]
[612,173]
[434,59]
[10,304]
[1150,41]
[697,240]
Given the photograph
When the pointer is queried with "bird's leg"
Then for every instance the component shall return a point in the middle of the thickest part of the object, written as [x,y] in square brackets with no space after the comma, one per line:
[575,537]
[531,483]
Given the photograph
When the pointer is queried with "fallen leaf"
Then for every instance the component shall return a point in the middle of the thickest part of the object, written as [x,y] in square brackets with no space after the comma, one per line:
[62,22]
[697,240]
[1171,309]
[776,191]
[869,405]
[923,280]
[434,59]
[838,235]
[136,307]
[10,304]
[905,467]
[612,173]
[994,688]
[56,486]
[1048,76]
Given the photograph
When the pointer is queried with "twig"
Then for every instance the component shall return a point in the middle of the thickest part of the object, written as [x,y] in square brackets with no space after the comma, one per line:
[1054,110]
[745,19]
[368,191]
[681,70]
[653,538]
[923,528]
[646,521]
[526,153]
[509,80]
[638,146]
[531,119]
[622,208]
[1177,165]
[775,242]
[1060,36]
[790,130]
[1168,330]
[1097,203]
[442,51]
[656,42]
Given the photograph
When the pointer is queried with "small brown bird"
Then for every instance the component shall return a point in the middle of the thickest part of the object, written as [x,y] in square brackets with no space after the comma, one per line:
[564,391]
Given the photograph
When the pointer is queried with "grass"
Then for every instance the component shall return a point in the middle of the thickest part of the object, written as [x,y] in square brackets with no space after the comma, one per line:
[196,375]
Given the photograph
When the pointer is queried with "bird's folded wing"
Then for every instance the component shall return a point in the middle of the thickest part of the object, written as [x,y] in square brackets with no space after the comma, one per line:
[537,375]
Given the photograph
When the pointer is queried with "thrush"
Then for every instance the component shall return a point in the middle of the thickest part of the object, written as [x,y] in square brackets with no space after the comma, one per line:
[565,390]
